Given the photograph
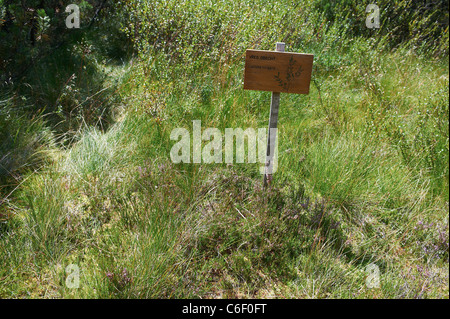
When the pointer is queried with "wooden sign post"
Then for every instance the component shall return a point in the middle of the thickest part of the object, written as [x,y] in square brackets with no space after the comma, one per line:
[276,71]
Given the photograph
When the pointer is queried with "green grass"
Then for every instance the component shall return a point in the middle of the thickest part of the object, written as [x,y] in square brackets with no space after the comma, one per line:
[362,177]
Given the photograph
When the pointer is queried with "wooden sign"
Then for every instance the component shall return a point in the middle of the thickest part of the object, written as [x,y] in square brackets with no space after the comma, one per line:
[278,71]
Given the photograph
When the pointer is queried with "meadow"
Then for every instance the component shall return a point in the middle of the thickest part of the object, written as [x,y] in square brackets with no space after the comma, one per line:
[363,159]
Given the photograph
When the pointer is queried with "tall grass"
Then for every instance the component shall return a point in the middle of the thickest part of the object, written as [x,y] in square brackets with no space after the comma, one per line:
[362,175]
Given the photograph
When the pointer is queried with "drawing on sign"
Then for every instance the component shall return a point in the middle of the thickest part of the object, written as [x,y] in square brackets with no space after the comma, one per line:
[278,71]
[291,76]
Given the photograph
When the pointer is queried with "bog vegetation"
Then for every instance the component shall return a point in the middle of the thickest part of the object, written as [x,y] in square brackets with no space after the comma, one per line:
[86,176]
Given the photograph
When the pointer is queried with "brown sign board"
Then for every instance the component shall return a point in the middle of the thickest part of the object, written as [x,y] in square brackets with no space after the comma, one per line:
[278,71]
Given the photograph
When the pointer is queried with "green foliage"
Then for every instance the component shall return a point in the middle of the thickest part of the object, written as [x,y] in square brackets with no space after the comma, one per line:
[422,24]
[363,159]
[61,70]
[24,143]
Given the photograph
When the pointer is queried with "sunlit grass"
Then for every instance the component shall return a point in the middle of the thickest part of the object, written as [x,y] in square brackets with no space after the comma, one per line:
[362,178]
